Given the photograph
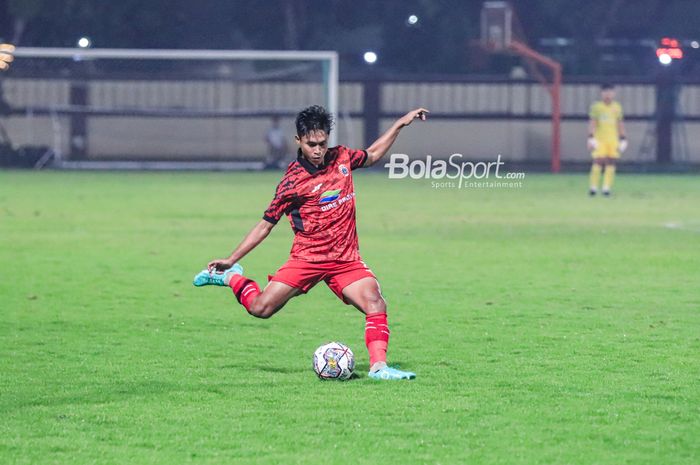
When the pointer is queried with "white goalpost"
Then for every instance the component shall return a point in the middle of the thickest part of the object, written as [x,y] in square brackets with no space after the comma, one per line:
[162,109]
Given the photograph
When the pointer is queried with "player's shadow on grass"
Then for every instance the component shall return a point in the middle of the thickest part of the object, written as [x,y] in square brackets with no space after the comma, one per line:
[116,393]
[359,372]
[276,369]
[266,368]
[361,368]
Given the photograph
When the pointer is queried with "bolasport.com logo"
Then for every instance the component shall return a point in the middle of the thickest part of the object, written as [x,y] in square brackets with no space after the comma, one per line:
[455,173]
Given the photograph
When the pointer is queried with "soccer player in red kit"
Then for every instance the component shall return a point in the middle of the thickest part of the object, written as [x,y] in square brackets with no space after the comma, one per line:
[317,195]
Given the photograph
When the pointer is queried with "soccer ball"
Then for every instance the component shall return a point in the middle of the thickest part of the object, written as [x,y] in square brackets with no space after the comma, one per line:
[334,361]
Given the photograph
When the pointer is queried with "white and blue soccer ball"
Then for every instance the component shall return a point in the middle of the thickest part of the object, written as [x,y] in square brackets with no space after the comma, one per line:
[334,361]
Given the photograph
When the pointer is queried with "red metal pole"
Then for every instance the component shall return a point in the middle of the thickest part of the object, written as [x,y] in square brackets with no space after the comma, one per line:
[554,92]
[556,120]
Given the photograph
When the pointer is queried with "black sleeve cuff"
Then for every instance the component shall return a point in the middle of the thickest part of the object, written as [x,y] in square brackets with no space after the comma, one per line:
[270,219]
[364,159]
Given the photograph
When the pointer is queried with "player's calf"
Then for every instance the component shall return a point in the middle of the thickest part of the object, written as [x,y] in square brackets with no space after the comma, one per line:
[261,304]
[608,177]
[377,339]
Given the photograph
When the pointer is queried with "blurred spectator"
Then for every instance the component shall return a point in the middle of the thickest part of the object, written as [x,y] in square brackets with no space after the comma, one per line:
[276,144]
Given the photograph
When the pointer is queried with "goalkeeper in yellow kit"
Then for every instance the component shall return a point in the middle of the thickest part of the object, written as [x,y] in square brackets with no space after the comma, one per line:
[606,139]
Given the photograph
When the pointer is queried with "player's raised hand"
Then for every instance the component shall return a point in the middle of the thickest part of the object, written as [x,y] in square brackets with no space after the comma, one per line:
[220,264]
[419,113]
[6,56]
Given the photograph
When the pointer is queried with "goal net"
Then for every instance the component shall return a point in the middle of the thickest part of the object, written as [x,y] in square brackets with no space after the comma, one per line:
[114,108]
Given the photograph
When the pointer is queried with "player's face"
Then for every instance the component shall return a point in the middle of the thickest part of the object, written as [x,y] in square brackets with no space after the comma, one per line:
[314,146]
[608,95]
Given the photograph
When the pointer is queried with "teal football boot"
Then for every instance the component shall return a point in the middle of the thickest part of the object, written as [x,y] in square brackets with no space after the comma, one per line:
[390,373]
[215,278]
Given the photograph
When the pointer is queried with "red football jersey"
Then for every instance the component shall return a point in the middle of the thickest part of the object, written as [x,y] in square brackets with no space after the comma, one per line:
[320,205]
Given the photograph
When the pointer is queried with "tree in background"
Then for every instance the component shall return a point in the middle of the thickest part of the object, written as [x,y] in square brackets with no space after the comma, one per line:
[440,42]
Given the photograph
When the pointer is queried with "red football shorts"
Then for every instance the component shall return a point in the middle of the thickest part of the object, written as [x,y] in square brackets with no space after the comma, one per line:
[337,275]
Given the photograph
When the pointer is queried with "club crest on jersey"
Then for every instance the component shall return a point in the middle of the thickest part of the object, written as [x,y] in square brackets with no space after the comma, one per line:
[329,196]
[343,170]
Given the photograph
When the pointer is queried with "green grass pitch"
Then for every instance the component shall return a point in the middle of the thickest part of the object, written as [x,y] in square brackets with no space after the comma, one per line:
[546,327]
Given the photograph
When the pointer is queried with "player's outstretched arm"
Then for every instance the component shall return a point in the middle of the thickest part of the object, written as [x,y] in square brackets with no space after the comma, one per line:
[622,144]
[256,235]
[621,129]
[382,145]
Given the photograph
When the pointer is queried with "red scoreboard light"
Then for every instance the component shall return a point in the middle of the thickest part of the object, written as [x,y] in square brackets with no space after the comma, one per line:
[669,50]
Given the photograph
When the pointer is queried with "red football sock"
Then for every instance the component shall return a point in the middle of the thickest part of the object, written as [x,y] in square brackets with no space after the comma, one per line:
[376,337]
[245,290]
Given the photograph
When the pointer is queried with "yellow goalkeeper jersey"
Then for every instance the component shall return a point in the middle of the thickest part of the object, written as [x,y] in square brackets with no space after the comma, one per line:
[606,117]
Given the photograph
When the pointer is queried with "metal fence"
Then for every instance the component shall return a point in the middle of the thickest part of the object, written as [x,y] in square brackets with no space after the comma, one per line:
[189,118]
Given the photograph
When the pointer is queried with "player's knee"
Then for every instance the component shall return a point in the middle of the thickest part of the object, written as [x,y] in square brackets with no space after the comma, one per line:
[264,314]
[375,303]
[261,308]
[261,312]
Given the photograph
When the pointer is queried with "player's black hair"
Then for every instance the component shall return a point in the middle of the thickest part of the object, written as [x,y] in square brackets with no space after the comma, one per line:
[607,86]
[313,118]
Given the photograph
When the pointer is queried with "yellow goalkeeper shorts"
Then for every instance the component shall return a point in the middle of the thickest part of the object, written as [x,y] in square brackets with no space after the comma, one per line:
[607,148]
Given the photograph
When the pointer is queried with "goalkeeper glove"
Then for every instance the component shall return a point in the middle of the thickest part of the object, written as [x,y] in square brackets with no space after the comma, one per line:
[592,143]
[622,146]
